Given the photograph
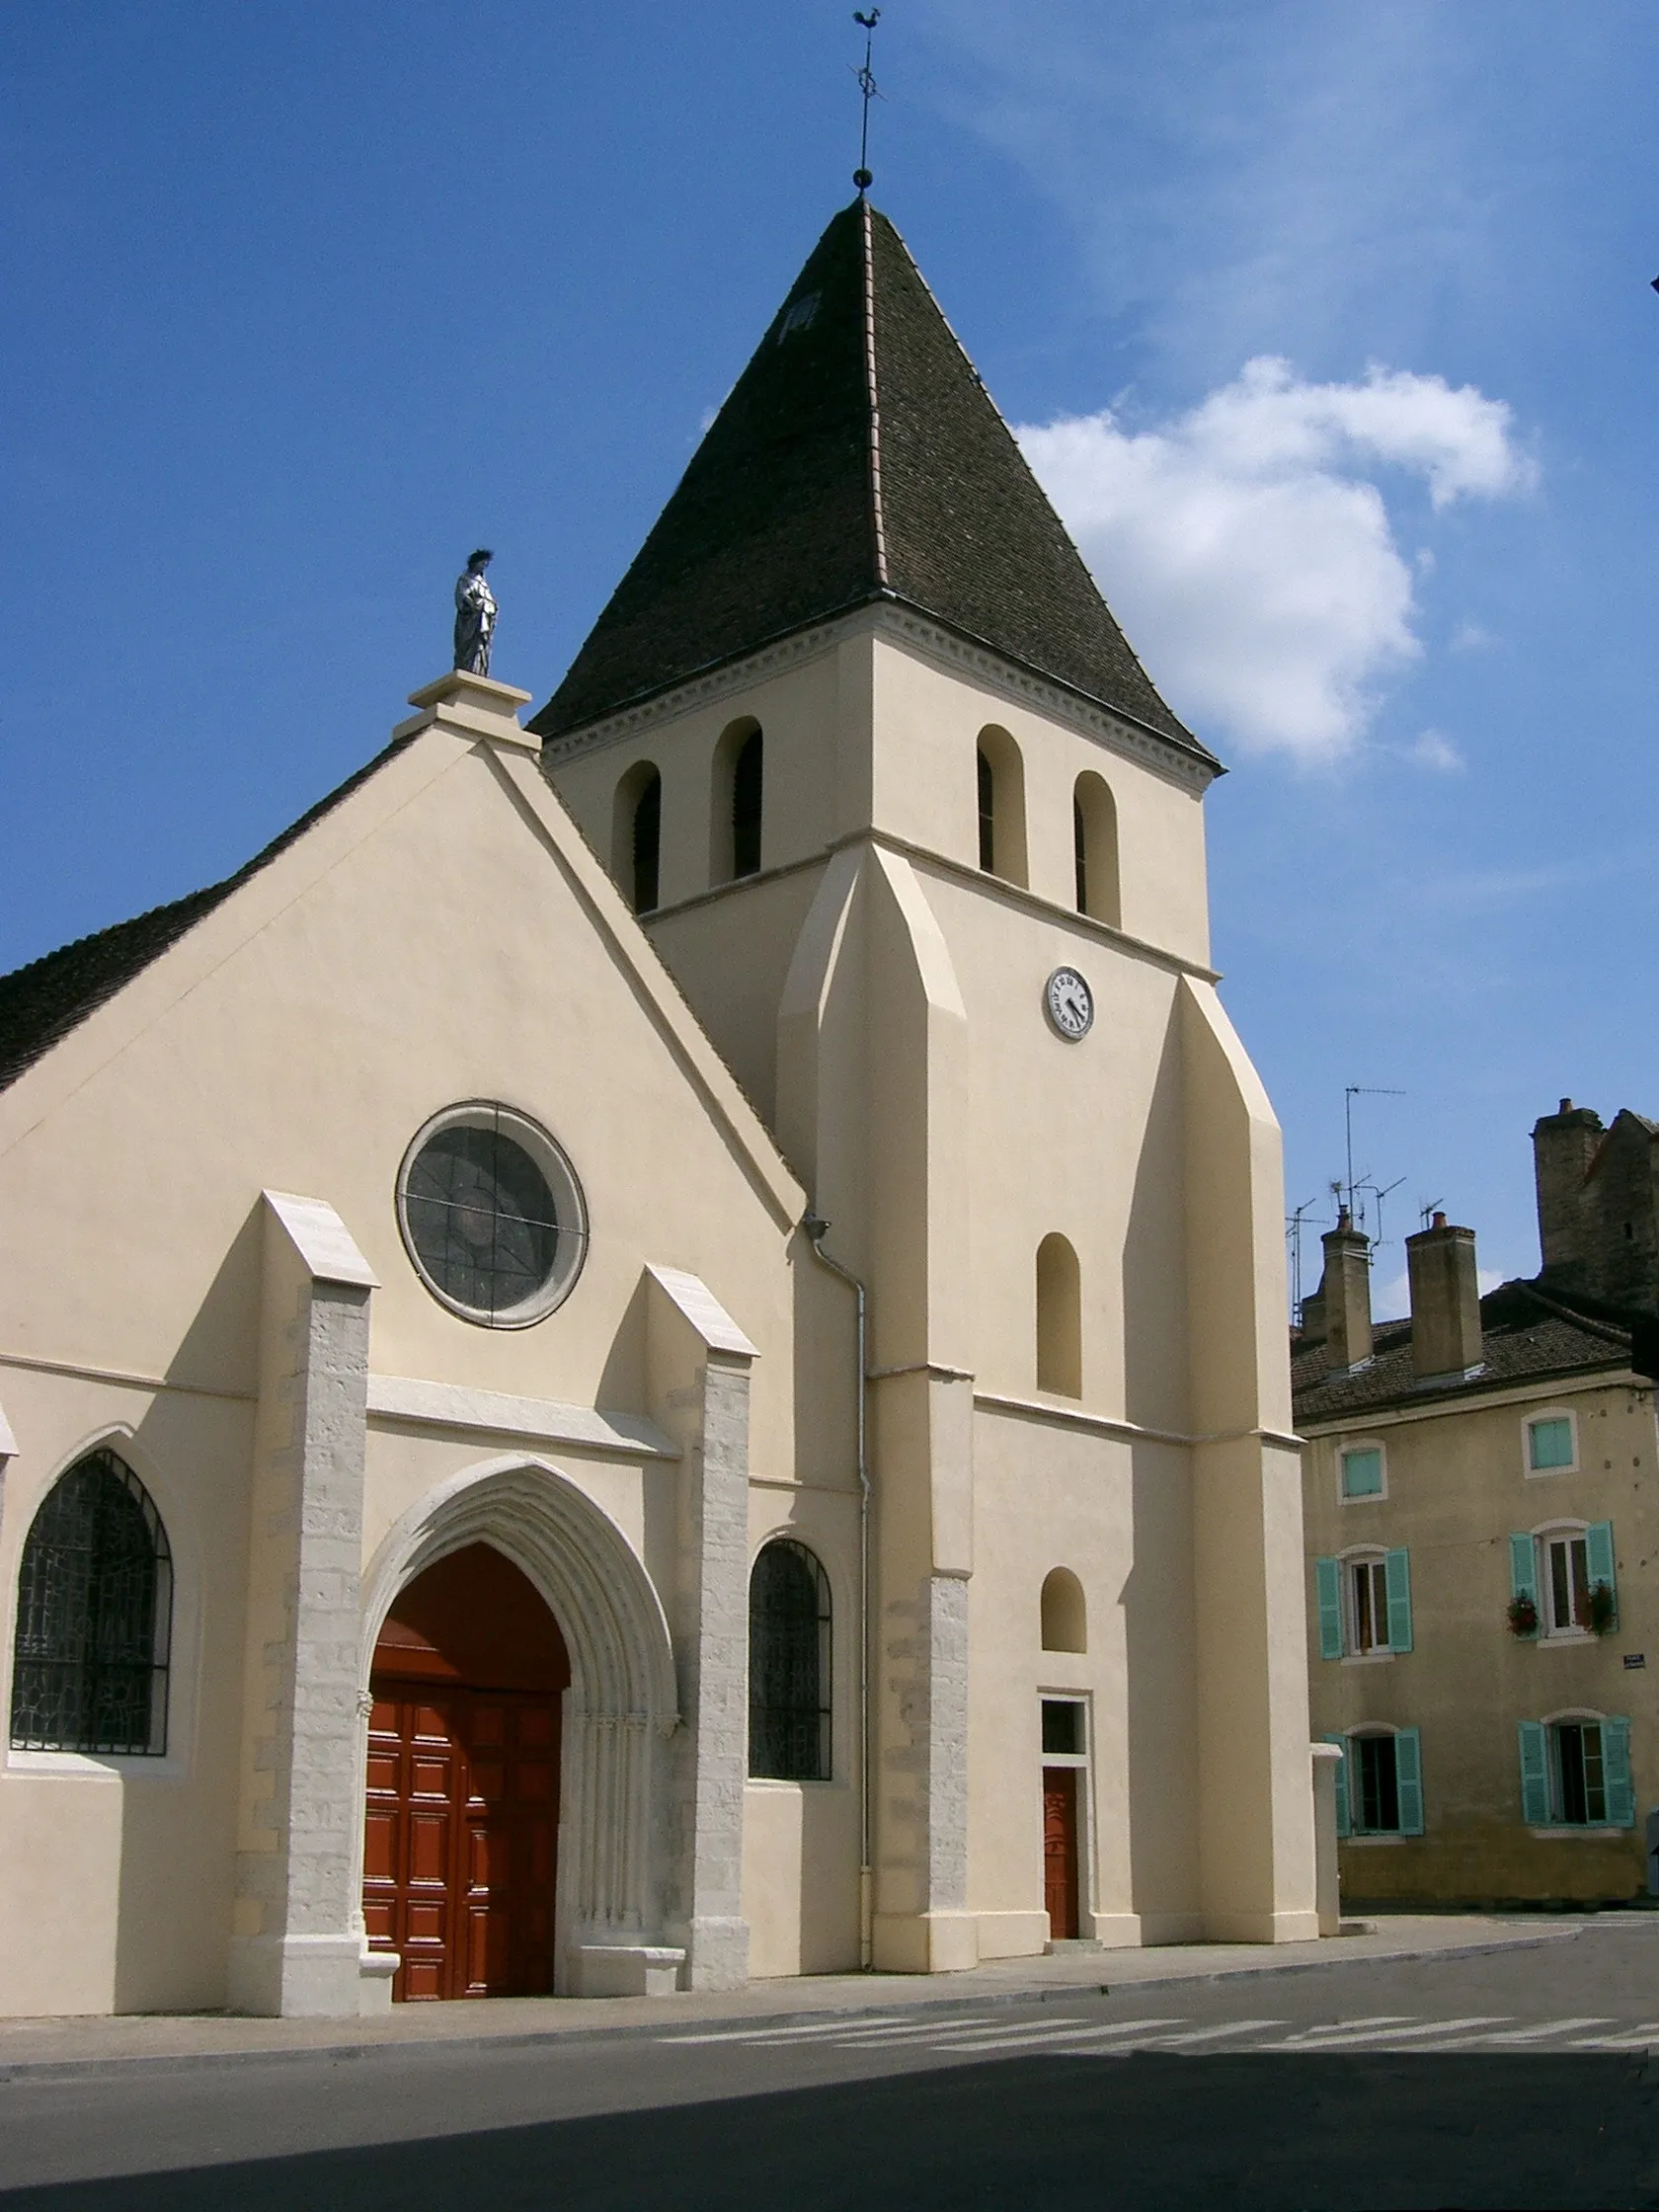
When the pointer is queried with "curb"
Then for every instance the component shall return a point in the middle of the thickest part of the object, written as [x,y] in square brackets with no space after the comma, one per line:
[22,2071]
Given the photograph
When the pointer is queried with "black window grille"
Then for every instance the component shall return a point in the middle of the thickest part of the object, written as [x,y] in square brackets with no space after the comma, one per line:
[789,1665]
[481,1216]
[648,843]
[95,1618]
[747,776]
[987,815]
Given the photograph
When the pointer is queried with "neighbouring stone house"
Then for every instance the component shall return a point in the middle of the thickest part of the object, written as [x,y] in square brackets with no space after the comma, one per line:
[1481,1507]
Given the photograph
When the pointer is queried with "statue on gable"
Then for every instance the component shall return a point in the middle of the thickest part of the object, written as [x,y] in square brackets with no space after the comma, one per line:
[475,615]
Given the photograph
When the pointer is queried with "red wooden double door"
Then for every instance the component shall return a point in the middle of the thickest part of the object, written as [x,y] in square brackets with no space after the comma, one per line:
[461,1826]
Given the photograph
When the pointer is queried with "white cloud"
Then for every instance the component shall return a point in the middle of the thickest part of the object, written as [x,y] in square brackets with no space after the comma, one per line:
[1431,751]
[1248,552]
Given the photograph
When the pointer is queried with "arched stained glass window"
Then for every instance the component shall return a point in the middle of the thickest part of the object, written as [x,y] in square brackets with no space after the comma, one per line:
[94,1617]
[789,1665]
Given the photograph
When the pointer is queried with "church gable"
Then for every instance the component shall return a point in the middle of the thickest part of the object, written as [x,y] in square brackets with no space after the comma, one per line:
[443,936]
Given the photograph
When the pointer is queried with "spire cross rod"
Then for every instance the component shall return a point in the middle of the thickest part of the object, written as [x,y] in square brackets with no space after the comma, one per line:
[871,89]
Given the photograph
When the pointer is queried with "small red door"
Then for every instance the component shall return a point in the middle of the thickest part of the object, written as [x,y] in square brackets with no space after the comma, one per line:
[1060,1850]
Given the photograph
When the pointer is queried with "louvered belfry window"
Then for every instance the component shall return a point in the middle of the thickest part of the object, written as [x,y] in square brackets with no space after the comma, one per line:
[789,1665]
[94,1617]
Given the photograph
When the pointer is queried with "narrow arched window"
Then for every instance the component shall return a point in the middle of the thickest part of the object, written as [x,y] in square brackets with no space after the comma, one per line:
[648,843]
[789,1665]
[736,801]
[1060,1322]
[987,812]
[94,1617]
[1094,843]
[748,778]
[1064,1613]
[636,835]
[1001,793]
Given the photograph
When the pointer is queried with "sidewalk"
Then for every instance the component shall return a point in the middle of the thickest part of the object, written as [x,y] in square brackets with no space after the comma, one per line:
[38,2048]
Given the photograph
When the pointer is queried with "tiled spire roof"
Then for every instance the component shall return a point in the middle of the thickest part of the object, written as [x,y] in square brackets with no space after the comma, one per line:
[859,457]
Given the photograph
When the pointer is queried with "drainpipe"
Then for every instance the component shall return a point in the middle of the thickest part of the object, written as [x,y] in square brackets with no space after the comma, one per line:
[816,1230]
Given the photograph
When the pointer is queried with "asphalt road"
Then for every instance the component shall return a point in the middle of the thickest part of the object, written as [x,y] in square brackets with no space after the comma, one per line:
[1520,2078]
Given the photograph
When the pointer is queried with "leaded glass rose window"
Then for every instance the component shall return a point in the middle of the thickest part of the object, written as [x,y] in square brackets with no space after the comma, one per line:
[491,1215]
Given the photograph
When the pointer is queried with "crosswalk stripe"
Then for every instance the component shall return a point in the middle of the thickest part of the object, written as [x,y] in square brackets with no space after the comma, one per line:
[1634,2039]
[1073,2035]
[1392,2038]
[1198,2036]
[1538,2033]
[1347,2028]
[914,2032]
[784,2035]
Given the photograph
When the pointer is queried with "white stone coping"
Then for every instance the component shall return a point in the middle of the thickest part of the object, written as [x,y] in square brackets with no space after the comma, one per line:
[456,1405]
[8,1442]
[322,1240]
[698,1304]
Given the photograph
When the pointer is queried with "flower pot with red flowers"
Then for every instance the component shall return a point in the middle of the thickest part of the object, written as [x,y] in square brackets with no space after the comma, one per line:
[1523,1616]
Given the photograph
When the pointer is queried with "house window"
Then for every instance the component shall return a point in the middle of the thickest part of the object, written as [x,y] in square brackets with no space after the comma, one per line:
[1367,1584]
[1564,1577]
[789,1665]
[95,1618]
[1364,1603]
[1566,1583]
[1380,1783]
[1362,1471]
[1550,1444]
[1575,1772]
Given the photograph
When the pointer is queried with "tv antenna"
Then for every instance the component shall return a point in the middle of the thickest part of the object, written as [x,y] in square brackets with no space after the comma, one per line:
[1293,1237]
[1350,1092]
[867,85]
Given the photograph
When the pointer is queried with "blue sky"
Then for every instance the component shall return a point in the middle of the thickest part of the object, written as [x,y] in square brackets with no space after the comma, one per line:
[1329,329]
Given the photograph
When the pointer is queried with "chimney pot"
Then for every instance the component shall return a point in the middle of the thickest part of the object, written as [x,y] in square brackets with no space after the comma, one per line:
[1345,1295]
[1446,1336]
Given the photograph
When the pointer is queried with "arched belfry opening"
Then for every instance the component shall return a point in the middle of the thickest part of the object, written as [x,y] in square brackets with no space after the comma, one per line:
[737,801]
[461,1819]
[1094,848]
[637,835]
[1001,784]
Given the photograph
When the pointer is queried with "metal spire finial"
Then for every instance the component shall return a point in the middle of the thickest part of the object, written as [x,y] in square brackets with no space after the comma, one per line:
[867,85]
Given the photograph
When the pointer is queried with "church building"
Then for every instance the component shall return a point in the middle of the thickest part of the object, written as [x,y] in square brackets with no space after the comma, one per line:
[652,1350]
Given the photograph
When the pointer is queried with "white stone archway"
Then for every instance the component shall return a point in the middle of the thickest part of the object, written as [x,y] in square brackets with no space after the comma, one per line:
[620,1711]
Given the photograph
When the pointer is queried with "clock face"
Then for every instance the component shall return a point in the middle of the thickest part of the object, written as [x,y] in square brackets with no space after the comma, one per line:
[1071,1004]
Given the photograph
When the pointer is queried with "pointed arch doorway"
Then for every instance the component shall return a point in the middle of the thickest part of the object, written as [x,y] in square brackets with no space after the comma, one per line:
[461,1825]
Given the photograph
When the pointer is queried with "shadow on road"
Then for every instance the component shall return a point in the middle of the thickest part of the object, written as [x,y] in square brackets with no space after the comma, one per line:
[1361,2130]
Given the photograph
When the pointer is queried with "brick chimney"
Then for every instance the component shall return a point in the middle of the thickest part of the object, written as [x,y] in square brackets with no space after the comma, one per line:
[1563,1145]
[1444,1301]
[1345,1293]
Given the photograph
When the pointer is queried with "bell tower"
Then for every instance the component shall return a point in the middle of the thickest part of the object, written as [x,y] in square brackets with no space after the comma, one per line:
[911,826]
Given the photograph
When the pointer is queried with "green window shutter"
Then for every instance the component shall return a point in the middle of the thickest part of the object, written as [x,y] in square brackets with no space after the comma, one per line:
[1327,1578]
[1523,1567]
[1343,1826]
[1398,1569]
[1535,1775]
[1598,1557]
[1408,1779]
[1616,1772]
